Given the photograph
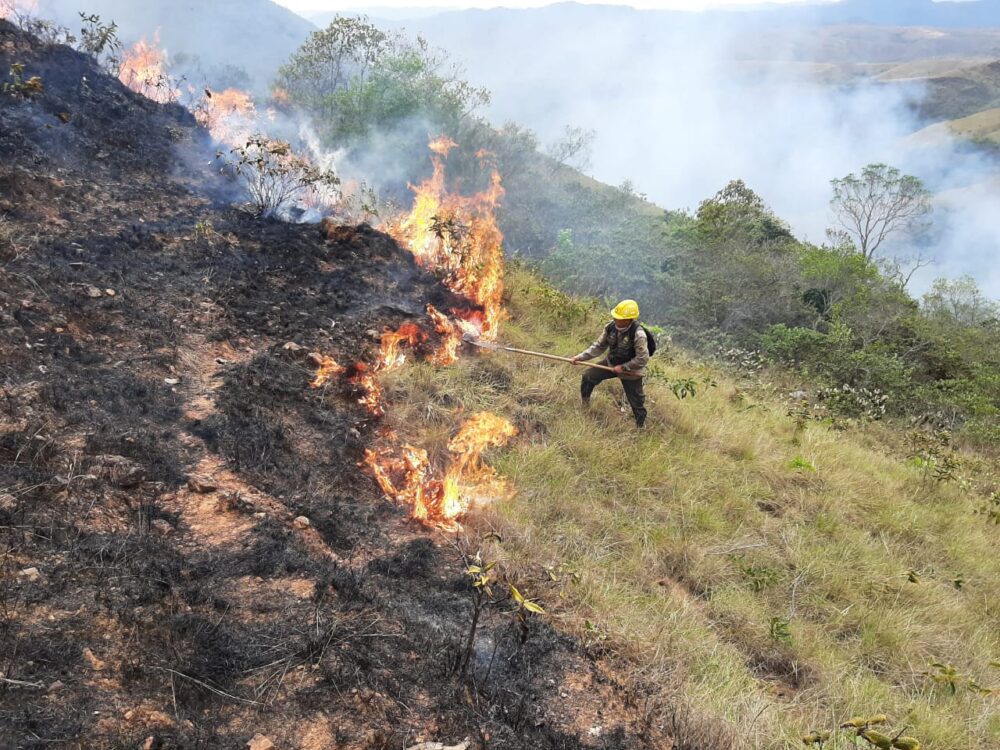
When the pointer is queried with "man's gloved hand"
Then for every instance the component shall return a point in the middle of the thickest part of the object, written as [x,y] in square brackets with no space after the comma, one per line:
[575,360]
[619,369]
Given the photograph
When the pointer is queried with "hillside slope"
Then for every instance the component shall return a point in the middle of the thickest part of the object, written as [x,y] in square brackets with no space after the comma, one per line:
[774,569]
[189,553]
[256,36]
[961,92]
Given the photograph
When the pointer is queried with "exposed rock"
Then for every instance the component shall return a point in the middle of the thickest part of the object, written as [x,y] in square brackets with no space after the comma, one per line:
[301,522]
[92,292]
[171,381]
[148,717]
[463,745]
[120,471]
[29,574]
[203,485]
[56,686]
[91,659]
[110,292]
[315,359]
[336,231]
[228,501]
[7,502]
[292,347]
[260,742]
[163,527]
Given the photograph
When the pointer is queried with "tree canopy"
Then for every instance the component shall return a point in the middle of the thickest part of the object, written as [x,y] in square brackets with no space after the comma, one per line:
[357,81]
[879,203]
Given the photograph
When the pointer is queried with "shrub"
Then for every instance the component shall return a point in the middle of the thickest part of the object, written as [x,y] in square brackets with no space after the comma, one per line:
[21,87]
[274,175]
[100,41]
[850,401]
[795,346]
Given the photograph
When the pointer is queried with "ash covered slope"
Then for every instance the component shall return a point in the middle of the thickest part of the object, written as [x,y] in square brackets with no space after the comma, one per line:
[158,441]
[212,39]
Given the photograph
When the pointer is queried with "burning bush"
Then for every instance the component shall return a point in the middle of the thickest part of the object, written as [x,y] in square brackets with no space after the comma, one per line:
[20,86]
[274,175]
[144,70]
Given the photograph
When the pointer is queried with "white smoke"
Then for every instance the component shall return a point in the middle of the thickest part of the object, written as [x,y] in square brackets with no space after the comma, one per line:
[682,107]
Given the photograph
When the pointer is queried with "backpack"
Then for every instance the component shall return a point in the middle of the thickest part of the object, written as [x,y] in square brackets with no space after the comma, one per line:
[650,339]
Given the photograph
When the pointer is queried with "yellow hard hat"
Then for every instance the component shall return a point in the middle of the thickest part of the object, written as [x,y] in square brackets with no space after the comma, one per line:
[626,310]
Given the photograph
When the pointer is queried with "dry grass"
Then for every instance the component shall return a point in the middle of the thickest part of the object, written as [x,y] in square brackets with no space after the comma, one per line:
[687,548]
[980,126]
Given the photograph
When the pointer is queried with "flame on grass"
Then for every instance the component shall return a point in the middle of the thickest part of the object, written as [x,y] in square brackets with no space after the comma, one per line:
[230,116]
[144,70]
[459,236]
[390,353]
[327,369]
[405,475]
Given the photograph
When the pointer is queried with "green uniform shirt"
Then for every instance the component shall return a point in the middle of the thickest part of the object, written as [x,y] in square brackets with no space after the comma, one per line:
[618,345]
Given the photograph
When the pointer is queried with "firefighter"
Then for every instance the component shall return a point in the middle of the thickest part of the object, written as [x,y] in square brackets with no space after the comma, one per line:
[628,349]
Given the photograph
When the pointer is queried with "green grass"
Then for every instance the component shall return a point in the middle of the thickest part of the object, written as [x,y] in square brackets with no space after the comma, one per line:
[725,557]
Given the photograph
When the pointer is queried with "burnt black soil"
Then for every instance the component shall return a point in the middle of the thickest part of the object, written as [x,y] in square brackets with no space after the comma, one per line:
[143,327]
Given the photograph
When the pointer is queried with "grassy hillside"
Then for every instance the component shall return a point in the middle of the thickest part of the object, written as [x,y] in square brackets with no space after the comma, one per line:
[982,126]
[780,571]
[961,92]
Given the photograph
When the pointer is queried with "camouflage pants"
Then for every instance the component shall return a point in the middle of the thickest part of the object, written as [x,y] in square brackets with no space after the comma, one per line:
[632,386]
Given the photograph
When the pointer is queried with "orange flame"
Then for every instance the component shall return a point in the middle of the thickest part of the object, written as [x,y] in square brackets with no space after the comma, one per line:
[469,479]
[280,96]
[368,380]
[18,8]
[327,369]
[229,116]
[404,476]
[144,70]
[409,333]
[459,235]
[447,353]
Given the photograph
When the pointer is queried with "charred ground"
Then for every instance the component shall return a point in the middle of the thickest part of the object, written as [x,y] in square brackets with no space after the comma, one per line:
[158,441]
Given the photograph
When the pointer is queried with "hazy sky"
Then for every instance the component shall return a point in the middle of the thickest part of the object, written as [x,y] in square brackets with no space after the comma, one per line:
[306,6]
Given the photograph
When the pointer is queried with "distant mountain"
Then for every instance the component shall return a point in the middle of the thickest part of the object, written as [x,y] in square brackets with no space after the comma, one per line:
[215,39]
[940,14]
[383,13]
[947,14]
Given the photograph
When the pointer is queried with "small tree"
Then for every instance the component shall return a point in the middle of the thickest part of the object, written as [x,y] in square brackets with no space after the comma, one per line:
[274,175]
[357,80]
[879,203]
[100,40]
[574,148]
[960,300]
